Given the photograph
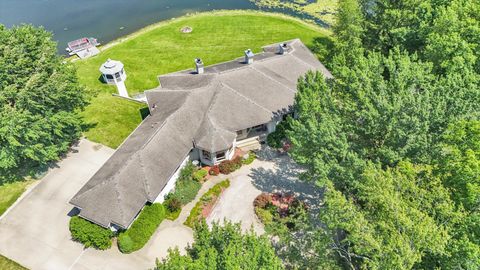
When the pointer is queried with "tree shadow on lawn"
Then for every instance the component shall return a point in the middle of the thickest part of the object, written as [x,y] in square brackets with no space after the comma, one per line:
[284,178]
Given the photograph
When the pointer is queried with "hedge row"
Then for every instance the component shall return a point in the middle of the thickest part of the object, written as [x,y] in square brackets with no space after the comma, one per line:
[90,234]
[208,197]
[142,228]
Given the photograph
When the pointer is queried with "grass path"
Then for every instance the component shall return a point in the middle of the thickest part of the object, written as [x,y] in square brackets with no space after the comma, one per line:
[10,192]
[7,264]
[158,49]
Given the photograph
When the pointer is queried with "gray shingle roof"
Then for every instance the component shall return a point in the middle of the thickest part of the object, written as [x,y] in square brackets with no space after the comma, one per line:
[191,109]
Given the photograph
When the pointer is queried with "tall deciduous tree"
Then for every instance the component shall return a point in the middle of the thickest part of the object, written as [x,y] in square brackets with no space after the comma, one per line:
[349,33]
[224,247]
[39,100]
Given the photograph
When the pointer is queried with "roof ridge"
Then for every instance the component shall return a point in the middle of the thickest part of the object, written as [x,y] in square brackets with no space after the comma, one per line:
[145,181]
[272,79]
[122,216]
[247,98]
[173,113]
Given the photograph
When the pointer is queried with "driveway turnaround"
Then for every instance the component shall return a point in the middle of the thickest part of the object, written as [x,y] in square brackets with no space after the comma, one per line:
[270,172]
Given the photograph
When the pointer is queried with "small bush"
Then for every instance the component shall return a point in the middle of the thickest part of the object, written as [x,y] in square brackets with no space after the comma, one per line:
[186,172]
[185,191]
[273,140]
[208,197]
[214,170]
[90,234]
[229,166]
[142,228]
[200,175]
[173,204]
[172,215]
[276,138]
[265,215]
[262,200]
[251,157]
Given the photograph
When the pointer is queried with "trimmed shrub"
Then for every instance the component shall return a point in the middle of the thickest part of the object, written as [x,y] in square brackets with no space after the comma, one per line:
[251,157]
[90,234]
[265,215]
[200,175]
[229,166]
[142,228]
[262,200]
[276,138]
[206,199]
[238,161]
[173,204]
[214,170]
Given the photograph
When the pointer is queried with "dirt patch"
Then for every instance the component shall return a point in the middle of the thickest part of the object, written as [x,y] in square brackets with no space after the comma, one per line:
[186,29]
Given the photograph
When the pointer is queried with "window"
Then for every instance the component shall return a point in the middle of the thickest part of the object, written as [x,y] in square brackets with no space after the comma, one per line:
[109,76]
[259,128]
[206,155]
[220,155]
[117,75]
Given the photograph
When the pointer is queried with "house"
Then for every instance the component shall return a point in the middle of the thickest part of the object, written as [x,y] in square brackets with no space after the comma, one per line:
[195,115]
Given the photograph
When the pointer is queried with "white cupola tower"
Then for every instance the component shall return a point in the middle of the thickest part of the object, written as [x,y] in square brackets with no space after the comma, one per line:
[113,73]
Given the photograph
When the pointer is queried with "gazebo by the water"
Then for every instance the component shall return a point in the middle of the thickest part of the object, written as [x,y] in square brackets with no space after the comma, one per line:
[113,73]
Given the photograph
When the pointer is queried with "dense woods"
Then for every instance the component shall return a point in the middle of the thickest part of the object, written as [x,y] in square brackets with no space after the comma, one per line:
[39,101]
[393,140]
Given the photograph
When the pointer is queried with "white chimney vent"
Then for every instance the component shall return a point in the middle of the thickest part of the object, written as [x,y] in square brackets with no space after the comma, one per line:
[282,48]
[249,56]
[199,65]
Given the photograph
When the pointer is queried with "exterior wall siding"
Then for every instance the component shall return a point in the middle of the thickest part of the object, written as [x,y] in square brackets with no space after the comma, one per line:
[171,182]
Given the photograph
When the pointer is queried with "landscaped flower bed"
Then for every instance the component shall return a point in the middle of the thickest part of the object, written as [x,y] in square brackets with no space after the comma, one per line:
[229,166]
[186,188]
[279,208]
[206,203]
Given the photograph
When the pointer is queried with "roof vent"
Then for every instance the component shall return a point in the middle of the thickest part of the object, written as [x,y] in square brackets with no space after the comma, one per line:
[249,56]
[199,65]
[282,48]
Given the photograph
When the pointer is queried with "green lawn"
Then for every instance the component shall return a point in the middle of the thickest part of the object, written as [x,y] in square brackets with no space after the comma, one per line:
[10,192]
[162,48]
[323,10]
[7,264]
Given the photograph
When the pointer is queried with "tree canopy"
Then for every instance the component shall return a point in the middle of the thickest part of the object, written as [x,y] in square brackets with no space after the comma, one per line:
[393,139]
[223,247]
[39,100]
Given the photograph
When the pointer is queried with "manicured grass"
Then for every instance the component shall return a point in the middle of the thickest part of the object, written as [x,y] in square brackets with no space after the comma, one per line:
[162,48]
[10,192]
[7,264]
[323,10]
[111,119]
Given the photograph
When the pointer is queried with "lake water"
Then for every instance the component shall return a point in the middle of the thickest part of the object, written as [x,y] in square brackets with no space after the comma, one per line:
[102,19]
